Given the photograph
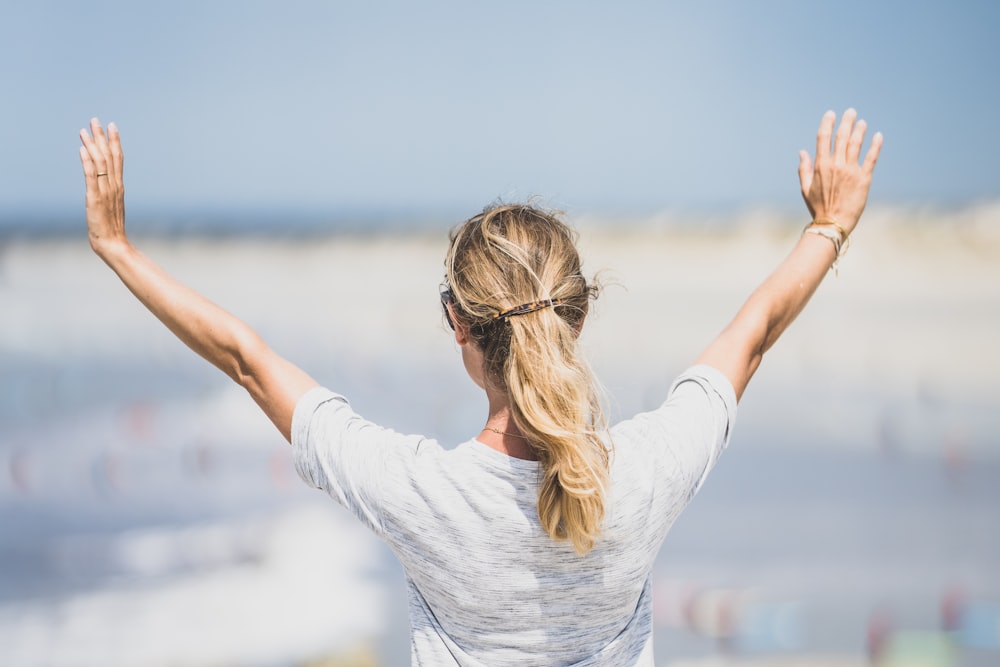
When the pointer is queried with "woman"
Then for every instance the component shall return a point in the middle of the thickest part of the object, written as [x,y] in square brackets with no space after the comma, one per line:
[531,543]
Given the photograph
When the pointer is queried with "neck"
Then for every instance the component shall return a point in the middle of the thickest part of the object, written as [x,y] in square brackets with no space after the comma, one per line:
[501,433]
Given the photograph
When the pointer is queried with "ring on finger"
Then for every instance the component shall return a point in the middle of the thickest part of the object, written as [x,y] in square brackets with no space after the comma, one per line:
[102,173]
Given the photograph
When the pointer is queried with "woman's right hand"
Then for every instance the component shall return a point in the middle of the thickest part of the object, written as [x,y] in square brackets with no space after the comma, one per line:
[102,160]
[836,186]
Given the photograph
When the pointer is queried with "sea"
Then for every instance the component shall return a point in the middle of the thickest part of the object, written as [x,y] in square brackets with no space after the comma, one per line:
[149,515]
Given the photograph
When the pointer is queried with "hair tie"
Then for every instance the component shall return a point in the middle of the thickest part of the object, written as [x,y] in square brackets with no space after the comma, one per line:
[527,308]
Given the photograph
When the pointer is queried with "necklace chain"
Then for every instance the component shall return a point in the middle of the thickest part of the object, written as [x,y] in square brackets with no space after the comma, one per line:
[499,432]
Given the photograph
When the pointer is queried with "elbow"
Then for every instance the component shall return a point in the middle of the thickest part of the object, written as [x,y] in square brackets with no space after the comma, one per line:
[756,331]
[767,330]
[243,359]
[752,341]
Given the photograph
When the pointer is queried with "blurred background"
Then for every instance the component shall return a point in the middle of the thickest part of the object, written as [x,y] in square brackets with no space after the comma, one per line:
[300,163]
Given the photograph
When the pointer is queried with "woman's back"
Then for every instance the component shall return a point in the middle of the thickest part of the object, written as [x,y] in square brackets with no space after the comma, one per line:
[487,584]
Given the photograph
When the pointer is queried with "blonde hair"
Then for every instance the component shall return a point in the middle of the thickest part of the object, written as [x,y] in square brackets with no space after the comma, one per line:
[507,256]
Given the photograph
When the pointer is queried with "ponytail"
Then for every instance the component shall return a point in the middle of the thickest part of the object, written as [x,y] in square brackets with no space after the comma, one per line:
[517,254]
[554,403]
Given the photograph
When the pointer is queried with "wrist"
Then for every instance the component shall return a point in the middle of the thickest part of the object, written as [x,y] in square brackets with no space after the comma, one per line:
[831,230]
[831,225]
[113,251]
[847,223]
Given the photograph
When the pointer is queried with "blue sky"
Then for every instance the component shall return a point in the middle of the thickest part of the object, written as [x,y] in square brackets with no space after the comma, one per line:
[624,106]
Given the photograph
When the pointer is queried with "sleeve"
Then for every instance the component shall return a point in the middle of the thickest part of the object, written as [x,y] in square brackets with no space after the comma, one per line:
[679,443]
[349,458]
[706,402]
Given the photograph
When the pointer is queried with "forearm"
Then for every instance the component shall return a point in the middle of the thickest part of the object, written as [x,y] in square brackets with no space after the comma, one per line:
[216,335]
[784,294]
[769,310]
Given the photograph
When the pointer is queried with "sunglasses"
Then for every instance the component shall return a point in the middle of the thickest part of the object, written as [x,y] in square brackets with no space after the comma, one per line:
[447,298]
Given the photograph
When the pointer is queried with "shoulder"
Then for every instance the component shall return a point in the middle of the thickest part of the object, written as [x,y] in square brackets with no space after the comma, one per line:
[700,397]
[322,414]
[683,437]
[329,438]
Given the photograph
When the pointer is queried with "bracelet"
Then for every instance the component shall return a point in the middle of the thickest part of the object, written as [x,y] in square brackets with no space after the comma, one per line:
[838,237]
[832,223]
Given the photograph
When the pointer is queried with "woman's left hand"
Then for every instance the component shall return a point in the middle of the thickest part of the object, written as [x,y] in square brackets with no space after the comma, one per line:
[836,186]
[103,163]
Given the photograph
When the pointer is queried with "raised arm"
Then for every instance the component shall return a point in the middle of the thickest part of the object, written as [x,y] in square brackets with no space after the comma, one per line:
[229,344]
[835,189]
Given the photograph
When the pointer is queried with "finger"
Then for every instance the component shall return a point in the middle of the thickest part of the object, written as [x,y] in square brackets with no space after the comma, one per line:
[823,136]
[102,145]
[872,156]
[89,170]
[100,164]
[843,135]
[854,143]
[100,138]
[805,172]
[117,156]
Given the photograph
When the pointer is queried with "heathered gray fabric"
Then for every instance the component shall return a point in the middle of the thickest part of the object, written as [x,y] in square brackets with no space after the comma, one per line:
[487,586]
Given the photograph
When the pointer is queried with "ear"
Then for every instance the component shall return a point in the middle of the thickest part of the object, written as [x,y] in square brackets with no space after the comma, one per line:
[461,328]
